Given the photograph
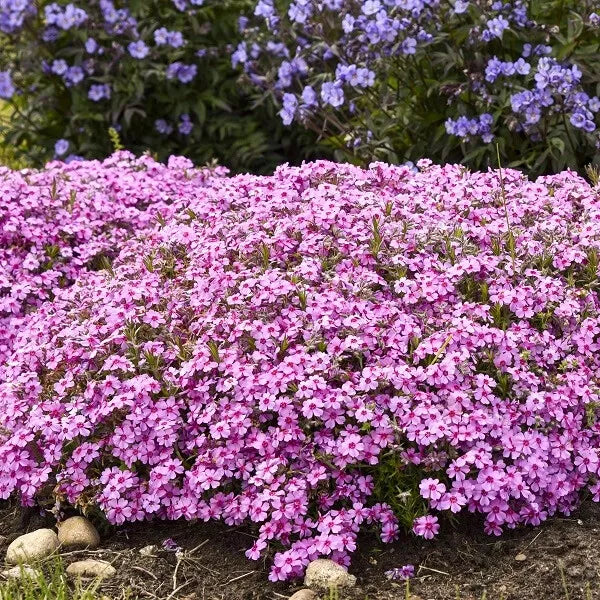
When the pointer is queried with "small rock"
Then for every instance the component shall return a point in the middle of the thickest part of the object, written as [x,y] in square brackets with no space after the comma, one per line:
[149,550]
[78,532]
[520,557]
[324,574]
[304,594]
[574,571]
[91,569]
[32,546]
[18,572]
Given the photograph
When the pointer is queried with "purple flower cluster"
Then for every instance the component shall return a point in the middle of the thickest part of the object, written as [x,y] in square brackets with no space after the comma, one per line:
[368,29]
[184,73]
[58,222]
[371,35]
[466,128]
[13,14]
[495,68]
[261,352]
[163,127]
[557,90]
[185,124]
[99,91]
[64,17]
[402,573]
[164,37]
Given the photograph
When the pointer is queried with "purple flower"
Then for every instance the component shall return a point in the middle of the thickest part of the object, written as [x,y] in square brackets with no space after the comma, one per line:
[348,23]
[426,527]
[7,88]
[138,49]
[409,46]
[175,39]
[309,96]
[264,8]
[73,75]
[91,45]
[60,147]
[99,91]
[171,545]
[163,127]
[403,573]
[71,16]
[290,103]
[161,36]
[461,6]
[578,119]
[370,7]
[59,66]
[240,56]
[497,26]
[185,125]
[332,93]
[522,67]
[185,73]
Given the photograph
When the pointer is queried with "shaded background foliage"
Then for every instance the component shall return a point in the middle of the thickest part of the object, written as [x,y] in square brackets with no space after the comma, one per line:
[231,123]
[449,80]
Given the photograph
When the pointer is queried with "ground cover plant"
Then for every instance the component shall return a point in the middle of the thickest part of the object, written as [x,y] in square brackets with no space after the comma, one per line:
[403,79]
[67,218]
[318,351]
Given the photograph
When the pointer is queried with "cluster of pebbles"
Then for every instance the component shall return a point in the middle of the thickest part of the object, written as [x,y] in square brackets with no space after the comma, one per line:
[75,533]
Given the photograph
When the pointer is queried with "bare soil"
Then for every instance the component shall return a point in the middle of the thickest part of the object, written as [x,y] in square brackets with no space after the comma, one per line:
[559,560]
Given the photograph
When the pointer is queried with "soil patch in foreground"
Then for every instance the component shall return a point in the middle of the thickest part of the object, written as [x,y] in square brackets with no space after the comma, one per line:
[558,560]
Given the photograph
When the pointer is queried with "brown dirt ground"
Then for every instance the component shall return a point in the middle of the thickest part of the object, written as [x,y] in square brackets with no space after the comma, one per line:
[562,562]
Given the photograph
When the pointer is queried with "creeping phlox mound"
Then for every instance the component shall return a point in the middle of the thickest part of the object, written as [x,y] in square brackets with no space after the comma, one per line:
[67,218]
[271,349]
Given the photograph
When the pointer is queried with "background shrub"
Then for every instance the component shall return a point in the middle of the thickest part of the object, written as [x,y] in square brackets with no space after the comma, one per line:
[158,72]
[313,352]
[399,80]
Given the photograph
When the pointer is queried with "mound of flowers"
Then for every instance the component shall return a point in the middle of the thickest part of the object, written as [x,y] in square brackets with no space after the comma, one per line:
[56,222]
[269,350]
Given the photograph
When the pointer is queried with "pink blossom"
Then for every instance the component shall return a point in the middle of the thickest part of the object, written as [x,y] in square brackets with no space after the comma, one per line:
[179,344]
[426,527]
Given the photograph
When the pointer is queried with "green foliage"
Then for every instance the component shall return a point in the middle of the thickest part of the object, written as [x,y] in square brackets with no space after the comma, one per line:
[9,155]
[240,130]
[397,484]
[431,81]
[115,139]
[49,583]
[411,108]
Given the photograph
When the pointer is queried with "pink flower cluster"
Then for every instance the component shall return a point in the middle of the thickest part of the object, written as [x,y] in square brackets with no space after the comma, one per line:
[56,222]
[259,354]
